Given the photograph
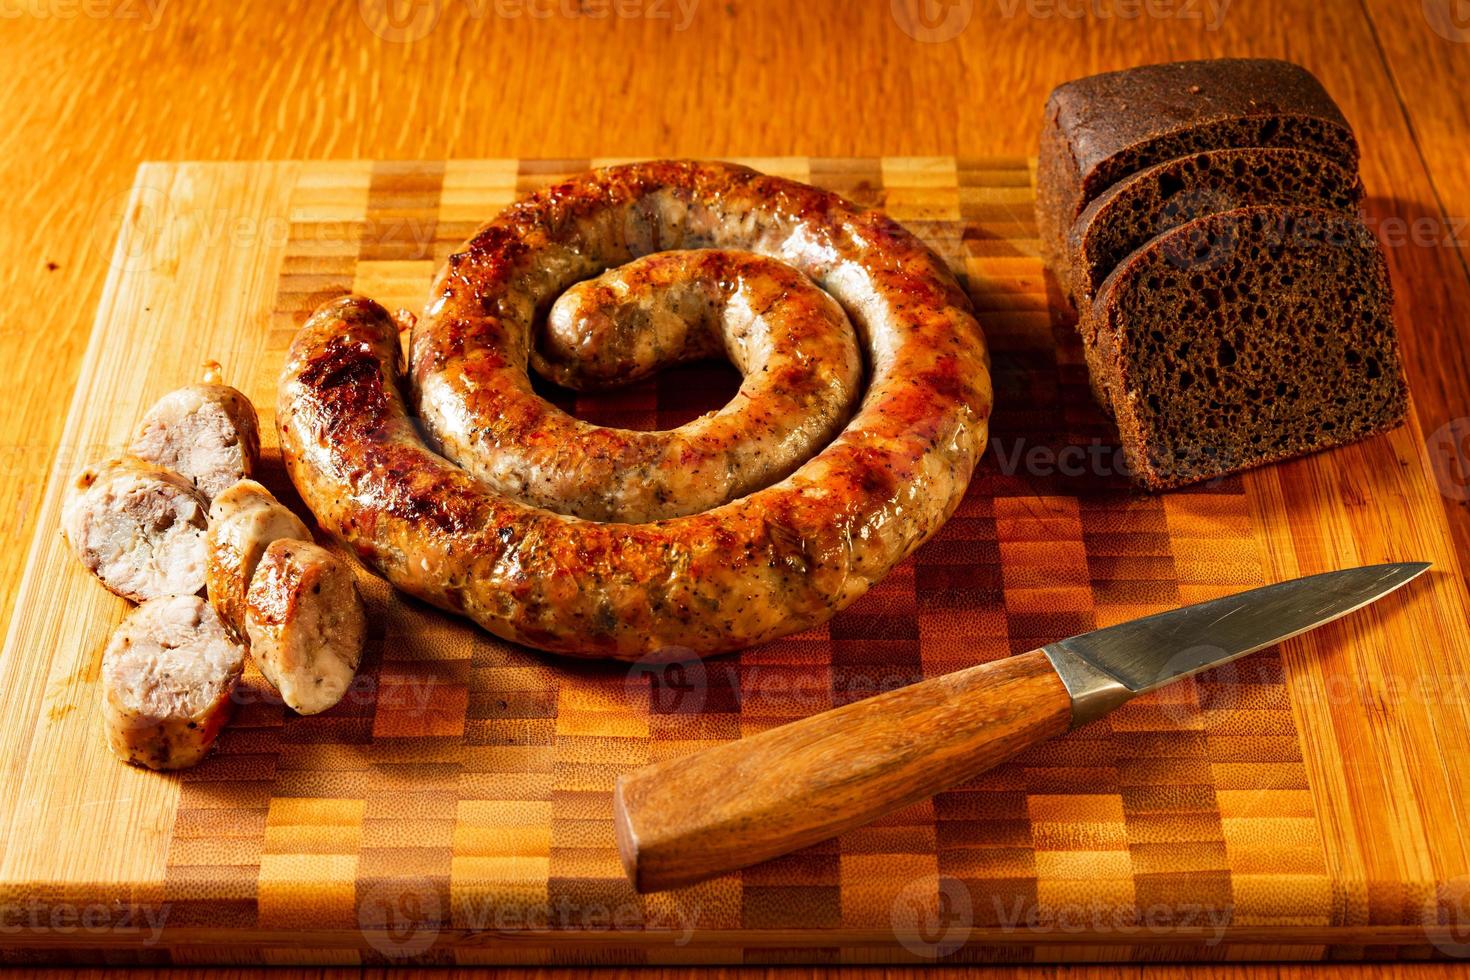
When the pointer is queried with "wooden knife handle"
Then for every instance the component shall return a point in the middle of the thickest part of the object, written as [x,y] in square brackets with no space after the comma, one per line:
[684,820]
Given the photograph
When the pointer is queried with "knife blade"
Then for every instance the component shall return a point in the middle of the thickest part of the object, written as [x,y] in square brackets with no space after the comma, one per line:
[683,820]
[1107,667]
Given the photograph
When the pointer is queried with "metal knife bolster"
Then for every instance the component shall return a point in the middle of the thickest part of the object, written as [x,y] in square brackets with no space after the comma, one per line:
[1094,691]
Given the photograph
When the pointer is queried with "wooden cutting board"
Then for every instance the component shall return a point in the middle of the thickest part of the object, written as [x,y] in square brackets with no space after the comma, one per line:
[1309,802]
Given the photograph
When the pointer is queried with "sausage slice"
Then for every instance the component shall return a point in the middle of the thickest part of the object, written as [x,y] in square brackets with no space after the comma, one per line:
[243,520]
[167,676]
[207,433]
[138,528]
[306,624]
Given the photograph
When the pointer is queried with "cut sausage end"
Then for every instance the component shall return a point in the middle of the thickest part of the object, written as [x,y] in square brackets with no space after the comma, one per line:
[207,433]
[138,528]
[243,521]
[306,624]
[167,675]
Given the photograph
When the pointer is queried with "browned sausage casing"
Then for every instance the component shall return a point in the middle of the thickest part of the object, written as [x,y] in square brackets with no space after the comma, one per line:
[791,341]
[774,562]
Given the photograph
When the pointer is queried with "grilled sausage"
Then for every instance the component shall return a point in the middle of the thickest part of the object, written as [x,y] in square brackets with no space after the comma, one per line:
[138,528]
[306,624]
[207,433]
[243,520]
[776,561]
[167,677]
[794,345]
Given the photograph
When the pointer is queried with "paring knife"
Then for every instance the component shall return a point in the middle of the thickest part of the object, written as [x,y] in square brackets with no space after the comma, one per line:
[684,820]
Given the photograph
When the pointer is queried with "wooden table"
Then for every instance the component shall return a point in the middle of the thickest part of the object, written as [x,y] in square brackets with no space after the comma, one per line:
[94,89]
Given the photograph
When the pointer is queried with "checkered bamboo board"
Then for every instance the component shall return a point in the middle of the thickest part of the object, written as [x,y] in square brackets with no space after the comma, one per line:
[456,807]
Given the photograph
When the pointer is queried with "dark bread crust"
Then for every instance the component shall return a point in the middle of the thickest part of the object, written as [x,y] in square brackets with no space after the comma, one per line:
[1246,337]
[1100,129]
[1175,192]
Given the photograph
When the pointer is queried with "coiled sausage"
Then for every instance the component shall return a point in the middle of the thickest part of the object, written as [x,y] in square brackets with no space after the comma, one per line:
[778,560]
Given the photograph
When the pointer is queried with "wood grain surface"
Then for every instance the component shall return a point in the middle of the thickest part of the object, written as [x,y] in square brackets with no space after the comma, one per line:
[90,94]
[458,804]
[684,820]
[1374,971]
[1273,971]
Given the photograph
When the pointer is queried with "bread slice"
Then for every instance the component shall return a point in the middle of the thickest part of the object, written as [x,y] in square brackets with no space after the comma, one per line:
[1246,337]
[1175,192]
[1100,129]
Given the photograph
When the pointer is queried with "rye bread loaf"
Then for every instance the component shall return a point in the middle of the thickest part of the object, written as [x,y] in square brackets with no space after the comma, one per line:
[1245,337]
[1100,129]
[1175,192]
